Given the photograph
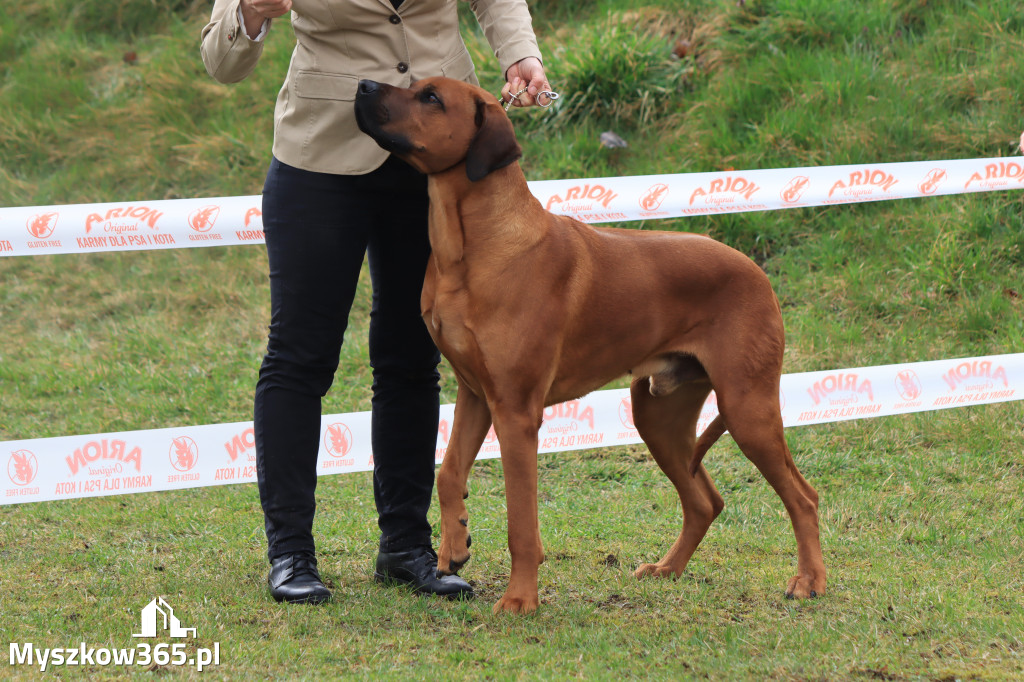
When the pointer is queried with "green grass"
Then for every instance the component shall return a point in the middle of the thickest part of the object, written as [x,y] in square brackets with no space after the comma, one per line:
[922,515]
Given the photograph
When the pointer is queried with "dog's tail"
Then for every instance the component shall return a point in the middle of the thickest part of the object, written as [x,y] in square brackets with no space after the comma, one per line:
[711,434]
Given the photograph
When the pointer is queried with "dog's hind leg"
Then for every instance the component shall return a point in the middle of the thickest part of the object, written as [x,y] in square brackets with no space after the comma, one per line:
[668,426]
[758,432]
[472,420]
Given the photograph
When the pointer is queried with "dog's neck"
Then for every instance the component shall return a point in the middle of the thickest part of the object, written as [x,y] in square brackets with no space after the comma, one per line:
[490,214]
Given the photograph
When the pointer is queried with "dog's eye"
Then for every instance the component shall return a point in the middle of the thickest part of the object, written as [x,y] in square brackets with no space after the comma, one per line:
[430,97]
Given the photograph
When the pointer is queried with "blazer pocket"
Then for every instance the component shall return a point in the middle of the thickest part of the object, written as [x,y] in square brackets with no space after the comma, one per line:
[459,67]
[320,85]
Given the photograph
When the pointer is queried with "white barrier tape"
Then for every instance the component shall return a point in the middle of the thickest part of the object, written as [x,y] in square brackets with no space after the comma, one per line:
[181,223]
[195,456]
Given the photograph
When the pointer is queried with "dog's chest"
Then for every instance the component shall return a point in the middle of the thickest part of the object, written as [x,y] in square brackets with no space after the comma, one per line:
[448,323]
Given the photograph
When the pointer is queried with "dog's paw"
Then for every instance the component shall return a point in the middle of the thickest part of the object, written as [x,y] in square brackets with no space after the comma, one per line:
[447,564]
[517,604]
[805,587]
[654,570]
[453,553]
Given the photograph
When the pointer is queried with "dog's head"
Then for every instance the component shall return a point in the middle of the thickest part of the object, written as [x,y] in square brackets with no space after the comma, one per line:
[438,124]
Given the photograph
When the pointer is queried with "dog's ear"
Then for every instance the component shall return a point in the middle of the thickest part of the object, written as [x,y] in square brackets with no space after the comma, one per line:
[494,146]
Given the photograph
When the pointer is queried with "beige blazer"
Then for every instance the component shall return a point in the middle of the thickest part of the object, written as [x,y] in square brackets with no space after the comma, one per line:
[340,42]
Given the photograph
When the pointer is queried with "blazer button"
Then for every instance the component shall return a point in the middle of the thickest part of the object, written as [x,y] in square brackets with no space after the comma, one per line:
[402,67]
[395,19]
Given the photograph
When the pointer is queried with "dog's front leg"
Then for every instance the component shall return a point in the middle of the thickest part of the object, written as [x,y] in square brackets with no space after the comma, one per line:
[472,420]
[517,435]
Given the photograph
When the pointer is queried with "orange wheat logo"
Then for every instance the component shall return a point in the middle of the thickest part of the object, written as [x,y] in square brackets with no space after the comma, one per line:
[626,413]
[338,440]
[202,219]
[184,453]
[22,467]
[42,226]
[655,195]
[792,192]
[932,180]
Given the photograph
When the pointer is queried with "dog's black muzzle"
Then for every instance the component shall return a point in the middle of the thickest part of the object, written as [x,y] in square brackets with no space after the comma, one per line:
[372,114]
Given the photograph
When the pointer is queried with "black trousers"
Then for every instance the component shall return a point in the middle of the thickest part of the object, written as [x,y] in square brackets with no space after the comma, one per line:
[318,228]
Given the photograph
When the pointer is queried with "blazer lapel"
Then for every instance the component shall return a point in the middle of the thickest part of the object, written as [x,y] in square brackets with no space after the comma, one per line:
[391,8]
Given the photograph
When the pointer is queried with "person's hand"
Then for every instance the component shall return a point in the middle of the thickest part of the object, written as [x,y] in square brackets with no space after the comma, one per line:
[255,12]
[526,73]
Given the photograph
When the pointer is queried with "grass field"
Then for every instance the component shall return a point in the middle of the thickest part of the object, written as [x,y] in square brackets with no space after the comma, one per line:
[922,516]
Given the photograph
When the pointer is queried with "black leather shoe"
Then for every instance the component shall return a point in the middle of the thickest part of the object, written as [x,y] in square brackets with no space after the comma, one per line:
[418,567]
[294,578]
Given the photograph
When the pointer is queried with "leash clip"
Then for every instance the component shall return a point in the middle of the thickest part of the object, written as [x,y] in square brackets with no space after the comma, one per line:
[552,96]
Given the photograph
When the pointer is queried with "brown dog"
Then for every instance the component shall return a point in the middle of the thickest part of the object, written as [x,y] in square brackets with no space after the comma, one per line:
[532,309]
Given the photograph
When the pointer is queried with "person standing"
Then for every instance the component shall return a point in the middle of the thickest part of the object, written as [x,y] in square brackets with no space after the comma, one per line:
[330,197]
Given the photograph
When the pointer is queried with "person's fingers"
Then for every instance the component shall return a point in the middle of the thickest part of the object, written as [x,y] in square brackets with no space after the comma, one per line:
[270,8]
[515,88]
[526,82]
